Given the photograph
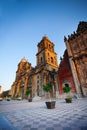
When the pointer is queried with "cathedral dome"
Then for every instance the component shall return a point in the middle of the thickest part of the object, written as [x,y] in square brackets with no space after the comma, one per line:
[23,60]
[45,37]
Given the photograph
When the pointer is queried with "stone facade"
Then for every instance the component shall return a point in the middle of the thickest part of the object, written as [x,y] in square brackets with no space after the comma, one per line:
[22,76]
[65,75]
[44,72]
[72,69]
[77,51]
[46,65]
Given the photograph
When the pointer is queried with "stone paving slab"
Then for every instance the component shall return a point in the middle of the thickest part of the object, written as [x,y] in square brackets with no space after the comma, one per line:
[23,115]
[5,124]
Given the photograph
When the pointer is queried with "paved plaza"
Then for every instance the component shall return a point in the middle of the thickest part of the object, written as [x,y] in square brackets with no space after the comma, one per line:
[24,115]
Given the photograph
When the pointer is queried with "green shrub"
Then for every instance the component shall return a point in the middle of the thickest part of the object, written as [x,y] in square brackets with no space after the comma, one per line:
[8,95]
[47,87]
[66,89]
[29,91]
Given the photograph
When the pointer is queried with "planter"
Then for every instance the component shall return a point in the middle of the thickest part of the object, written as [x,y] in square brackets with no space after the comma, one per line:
[30,100]
[50,105]
[1,99]
[68,100]
[8,99]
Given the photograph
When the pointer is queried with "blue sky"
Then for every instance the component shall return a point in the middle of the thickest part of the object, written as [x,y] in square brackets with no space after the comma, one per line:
[23,23]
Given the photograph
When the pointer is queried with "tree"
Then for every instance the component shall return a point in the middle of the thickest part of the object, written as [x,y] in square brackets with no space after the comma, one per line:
[67,90]
[48,88]
[28,93]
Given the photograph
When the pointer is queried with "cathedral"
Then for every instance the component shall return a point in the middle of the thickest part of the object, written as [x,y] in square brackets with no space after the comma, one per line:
[77,51]
[72,69]
[28,77]
[65,75]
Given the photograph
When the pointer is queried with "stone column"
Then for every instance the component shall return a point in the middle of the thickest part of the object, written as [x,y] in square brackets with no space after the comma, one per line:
[26,84]
[44,77]
[18,87]
[14,89]
[56,84]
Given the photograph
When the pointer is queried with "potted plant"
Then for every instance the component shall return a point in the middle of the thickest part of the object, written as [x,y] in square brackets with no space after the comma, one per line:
[66,90]
[1,98]
[48,88]
[18,97]
[8,97]
[28,94]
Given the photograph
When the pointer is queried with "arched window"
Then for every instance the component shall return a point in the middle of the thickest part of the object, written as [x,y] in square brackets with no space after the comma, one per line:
[38,90]
[66,83]
[51,59]
[41,60]
[49,46]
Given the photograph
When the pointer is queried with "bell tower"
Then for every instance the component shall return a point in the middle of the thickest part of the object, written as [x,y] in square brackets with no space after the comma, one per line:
[46,54]
[46,64]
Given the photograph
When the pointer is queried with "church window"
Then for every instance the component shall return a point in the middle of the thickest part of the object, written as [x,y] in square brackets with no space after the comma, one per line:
[41,59]
[38,77]
[49,46]
[37,81]
[51,59]
[38,90]
[67,85]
